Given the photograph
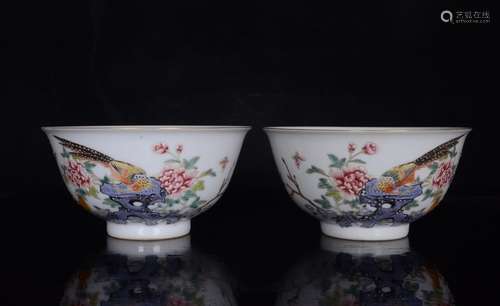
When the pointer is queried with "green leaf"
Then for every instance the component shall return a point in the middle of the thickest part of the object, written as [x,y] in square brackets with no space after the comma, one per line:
[427,194]
[335,195]
[324,184]
[65,153]
[453,152]
[93,192]
[353,203]
[200,185]
[434,166]
[334,159]
[314,169]
[171,202]
[105,180]
[109,202]
[353,290]
[410,205]
[168,161]
[323,202]
[189,164]
[357,160]
[209,172]
[196,203]
[336,162]
[81,192]
[188,195]
[88,166]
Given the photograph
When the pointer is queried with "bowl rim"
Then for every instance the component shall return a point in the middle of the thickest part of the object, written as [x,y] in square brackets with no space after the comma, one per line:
[85,128]
[361,129]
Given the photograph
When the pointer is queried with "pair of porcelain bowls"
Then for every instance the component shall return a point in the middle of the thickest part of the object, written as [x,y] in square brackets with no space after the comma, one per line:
[362,183]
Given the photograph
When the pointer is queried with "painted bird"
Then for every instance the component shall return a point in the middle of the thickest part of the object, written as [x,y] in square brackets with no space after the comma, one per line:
[404,174]
[132,176]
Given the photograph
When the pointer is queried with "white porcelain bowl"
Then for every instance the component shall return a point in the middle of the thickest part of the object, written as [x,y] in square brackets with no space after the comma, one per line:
[364,273]
[147,273]
[366,183]
[146,181]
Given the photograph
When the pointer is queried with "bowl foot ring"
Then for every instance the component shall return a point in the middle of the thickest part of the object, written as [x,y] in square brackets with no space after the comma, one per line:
[140,231]
[376,233]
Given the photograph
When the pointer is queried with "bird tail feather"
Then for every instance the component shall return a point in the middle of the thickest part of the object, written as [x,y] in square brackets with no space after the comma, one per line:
[83,152]
[438,152]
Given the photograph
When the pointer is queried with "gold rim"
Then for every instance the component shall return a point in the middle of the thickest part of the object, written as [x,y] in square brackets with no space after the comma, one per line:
[313,129]
[146,128]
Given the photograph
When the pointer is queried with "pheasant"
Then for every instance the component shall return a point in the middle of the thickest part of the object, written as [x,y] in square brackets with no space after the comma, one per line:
[404,174]
[132,176]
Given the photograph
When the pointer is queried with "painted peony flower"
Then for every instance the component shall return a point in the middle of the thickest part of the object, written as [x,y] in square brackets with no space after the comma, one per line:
[176,180]
[77,175]
[160,148]
[444,175]
[351,147]
[350,180]
[370,148]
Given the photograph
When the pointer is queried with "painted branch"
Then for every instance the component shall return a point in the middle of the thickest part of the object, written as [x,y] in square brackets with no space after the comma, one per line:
[298,192]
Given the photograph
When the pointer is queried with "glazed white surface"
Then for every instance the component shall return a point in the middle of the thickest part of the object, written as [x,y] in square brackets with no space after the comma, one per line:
[135,145]
[395,146]
[376,233]
[138,249]
[139,231]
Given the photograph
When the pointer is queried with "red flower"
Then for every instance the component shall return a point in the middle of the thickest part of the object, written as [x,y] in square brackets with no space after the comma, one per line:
[76,174]
[176,180]
[160,148]
[351,147]
[179,148]
[350,180]
[444,175]
[370,148]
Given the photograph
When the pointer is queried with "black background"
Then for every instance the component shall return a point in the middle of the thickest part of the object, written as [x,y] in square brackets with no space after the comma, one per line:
[259,64]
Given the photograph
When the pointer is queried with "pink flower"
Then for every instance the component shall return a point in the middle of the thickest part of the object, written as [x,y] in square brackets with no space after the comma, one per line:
[351,147]
[350,180]
[444,175]
[76,174]
[370,148]
[349,300]
[298,159]
[160,148]
[179,148]
[223,163]
[176,180]
[177,301]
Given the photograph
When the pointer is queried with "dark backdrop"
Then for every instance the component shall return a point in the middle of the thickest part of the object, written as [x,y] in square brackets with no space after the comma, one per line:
[121,62]
[173,62]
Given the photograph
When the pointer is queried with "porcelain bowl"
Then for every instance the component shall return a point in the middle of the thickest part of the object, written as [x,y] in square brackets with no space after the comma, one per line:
[366,183]
[147,273]
[148,182]
[364,273]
